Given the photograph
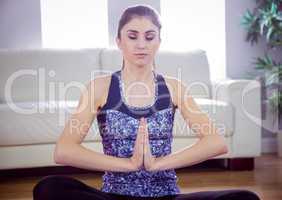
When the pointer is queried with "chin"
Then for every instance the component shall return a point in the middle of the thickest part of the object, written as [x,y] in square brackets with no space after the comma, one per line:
[142,64]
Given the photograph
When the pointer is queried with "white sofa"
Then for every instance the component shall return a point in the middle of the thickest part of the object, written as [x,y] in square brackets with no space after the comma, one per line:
[33,111]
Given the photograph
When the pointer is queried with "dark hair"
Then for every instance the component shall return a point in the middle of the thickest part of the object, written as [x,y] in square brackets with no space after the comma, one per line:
[139,11]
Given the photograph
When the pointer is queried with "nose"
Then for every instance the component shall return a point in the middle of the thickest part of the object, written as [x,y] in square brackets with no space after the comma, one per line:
[141,43]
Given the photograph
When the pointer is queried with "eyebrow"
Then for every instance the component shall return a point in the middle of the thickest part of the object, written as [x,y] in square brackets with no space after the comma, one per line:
[149,31]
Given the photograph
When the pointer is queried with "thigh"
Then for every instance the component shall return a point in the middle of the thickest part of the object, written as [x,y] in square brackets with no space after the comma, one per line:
[233,194]
[64,187]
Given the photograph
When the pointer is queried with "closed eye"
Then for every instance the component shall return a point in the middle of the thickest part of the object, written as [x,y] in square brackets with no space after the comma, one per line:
[132,38]
[148,38]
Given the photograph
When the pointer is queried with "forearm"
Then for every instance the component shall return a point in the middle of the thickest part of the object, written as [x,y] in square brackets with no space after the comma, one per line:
[204,149]
[81,157]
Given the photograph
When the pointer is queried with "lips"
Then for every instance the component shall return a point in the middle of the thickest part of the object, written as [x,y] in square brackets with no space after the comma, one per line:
[140,54]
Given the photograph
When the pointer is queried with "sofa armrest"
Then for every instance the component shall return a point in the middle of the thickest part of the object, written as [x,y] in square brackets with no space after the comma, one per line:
[245,98]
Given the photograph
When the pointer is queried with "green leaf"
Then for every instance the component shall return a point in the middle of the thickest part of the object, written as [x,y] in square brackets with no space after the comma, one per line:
[269,61]
[262,27]
[269,33]
[273,8]
[273,78]
[279,17]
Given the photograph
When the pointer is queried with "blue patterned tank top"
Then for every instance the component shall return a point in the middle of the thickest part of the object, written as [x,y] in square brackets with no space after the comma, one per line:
[118,125]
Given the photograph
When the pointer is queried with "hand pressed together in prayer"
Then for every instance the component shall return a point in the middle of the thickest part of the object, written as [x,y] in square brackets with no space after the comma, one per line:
[142,155]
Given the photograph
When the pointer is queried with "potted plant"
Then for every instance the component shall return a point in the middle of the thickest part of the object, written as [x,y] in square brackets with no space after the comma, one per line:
[265,21]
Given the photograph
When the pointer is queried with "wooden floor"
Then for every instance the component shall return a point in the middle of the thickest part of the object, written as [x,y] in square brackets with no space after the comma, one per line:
[265,180]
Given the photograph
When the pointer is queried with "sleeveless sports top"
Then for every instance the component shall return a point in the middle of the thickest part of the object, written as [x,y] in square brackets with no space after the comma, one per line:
[118,124]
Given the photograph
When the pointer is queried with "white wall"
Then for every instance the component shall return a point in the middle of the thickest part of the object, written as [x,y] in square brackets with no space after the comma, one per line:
[74,24]
[239,53]
[20,25]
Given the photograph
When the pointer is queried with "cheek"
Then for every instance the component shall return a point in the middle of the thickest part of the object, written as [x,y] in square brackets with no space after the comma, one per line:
[127,51]
[154,49]
[129,47]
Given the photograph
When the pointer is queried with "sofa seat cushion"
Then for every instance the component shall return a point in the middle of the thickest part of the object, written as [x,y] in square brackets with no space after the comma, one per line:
[221,114]
[42,122]
[37,122]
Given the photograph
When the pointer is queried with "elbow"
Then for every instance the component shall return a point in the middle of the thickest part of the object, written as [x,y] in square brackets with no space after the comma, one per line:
[59,155]
[223,148]
[57,158]
[220,150]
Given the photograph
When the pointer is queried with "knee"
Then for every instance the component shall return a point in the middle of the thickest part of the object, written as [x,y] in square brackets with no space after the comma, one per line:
[48,186]
[248,195]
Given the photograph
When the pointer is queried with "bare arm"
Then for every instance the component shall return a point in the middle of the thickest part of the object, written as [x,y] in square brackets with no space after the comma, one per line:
[210,143]
[69,151]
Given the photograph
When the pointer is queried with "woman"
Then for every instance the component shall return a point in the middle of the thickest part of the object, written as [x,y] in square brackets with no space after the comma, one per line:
[136,132]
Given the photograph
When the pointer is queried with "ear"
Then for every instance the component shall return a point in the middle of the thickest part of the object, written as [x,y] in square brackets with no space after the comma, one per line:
[118,42]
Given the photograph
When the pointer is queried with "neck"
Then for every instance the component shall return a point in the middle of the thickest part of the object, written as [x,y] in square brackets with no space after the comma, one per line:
[137,73]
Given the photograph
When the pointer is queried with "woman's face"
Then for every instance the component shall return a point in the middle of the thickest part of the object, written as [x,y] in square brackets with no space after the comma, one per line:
[139,41]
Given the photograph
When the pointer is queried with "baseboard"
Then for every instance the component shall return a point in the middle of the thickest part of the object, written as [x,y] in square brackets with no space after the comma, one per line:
[269,145]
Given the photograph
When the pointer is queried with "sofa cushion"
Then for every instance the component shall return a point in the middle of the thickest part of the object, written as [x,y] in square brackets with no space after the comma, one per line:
[190,67]
[43,122]
[37,122]
[34,73]
[220,113]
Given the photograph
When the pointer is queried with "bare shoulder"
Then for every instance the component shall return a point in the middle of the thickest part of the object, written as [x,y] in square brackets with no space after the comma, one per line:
[172,84]
[102,80]
[177,88]
[100,86]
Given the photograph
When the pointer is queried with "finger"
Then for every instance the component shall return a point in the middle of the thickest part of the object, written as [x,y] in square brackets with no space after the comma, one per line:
[145,143]
[141,139]
[140,135]
[143,121]
[141,144]
[146,134]
[145,146]
[142,125]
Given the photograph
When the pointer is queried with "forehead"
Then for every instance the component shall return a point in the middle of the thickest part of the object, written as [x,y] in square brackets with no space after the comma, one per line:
[140,24]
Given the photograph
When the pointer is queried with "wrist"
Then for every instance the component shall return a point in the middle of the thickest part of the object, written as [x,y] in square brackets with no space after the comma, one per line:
[131,166]
[157,166]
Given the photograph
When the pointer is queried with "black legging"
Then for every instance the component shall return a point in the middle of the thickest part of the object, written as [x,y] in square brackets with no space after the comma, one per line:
[55,187]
